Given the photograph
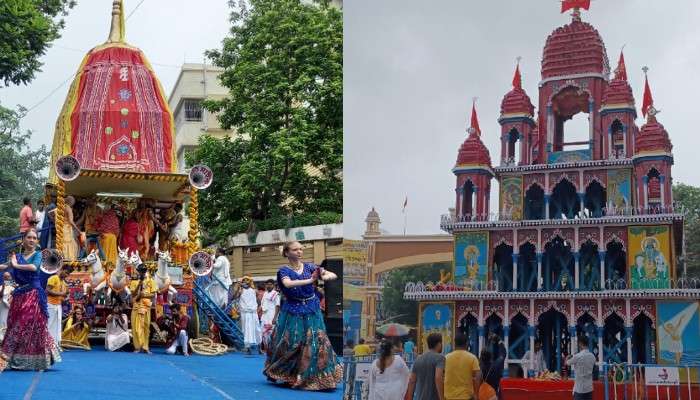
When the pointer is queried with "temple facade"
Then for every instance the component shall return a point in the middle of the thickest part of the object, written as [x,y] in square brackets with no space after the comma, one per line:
[586,240]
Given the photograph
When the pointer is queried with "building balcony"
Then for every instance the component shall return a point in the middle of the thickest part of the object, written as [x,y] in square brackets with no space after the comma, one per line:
[613,215]
[510,165]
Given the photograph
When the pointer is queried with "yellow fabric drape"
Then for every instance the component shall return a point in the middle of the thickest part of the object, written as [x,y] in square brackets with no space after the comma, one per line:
[70,244]
[108,242]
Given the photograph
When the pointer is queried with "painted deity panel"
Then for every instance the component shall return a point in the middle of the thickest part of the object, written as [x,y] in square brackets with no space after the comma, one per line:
[678,333]
[619,188]
[649,257]
[436,318]
[512,197]
[471,259]
[557,157]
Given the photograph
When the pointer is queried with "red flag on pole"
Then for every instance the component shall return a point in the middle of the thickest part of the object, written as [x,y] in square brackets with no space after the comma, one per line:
[475,120]
[517,79]
[647,101]
[569,4]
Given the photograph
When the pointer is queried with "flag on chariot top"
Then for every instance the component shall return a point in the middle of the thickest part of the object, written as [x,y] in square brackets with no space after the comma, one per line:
[647,100]
[569,4]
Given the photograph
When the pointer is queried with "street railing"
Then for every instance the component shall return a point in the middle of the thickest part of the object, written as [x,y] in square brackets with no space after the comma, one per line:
[650,381]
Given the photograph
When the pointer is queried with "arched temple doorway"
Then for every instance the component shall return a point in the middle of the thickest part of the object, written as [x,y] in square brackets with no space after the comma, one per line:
[564,202]
[469,326]
[614,340]
[553,332]
[534,203]
[503,267]
[589,266]
[643,340]
[558,265]
[527,268]
[595,199]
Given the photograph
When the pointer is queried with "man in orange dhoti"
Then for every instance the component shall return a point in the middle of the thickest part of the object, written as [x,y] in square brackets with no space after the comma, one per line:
[144,216]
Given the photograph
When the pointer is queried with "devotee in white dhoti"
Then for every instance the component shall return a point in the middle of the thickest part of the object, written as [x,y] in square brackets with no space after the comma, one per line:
[218,290]
[6,290]
[270,304]
[248,307]
[117,329]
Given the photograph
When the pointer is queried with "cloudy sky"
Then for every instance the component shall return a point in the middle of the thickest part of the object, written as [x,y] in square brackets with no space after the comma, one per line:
[412,67]
[169,33]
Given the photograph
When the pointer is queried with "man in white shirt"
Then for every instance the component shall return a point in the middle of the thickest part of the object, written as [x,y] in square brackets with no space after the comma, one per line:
[535,361]
[248,307]
[218,290]
[39,215]
[582,364]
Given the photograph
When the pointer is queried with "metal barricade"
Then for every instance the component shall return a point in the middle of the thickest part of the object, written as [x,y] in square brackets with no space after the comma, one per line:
[650,382]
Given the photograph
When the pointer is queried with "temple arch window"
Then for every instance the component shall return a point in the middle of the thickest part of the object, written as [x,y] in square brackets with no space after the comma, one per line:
[512,149]
[643,338]
[595,199]
[617,139]
[534,203]
[503,267]
[564,203]
[589,266]
[527,268]
[558,266]
[468,198]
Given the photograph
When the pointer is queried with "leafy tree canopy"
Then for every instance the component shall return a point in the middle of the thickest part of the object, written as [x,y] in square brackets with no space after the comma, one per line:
[689,197]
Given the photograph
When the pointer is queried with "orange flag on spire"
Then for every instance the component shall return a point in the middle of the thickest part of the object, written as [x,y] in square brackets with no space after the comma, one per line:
[569,4]
[647,101]
[621,70]
[517,79]
[475,120]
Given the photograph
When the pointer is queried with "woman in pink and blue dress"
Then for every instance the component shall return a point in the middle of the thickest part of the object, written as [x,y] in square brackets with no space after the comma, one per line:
[27,343]
[300,353]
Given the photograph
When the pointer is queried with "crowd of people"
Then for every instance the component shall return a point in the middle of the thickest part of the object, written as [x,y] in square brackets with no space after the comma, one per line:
[287,324]
[458,375]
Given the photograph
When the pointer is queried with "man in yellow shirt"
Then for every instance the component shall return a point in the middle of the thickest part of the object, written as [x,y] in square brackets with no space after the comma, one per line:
[362,349]
[142,292]
[56,290]
[462,372]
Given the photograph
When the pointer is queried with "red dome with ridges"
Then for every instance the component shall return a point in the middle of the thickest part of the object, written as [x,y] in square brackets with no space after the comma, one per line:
[517,102]
[574,48]
[652,137]
[473,152]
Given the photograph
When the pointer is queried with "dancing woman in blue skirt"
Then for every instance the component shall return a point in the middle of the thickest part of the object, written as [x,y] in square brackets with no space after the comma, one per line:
[299,352]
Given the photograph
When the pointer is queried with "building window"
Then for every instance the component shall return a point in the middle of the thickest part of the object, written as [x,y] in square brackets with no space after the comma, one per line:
[193,110]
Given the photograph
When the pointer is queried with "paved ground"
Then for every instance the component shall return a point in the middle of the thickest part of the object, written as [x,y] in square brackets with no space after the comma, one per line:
[102,375]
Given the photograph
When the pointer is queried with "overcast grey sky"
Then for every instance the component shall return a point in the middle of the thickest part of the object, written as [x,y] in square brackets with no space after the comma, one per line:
[411,68]
[169,32]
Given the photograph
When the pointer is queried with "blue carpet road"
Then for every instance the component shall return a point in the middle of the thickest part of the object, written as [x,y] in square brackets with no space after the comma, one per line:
[101,375]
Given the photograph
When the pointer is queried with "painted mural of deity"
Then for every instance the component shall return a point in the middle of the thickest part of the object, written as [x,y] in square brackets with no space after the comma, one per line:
[512,197]
[650,267]
[618,188]
[678,338]
[437,318]
[471,259]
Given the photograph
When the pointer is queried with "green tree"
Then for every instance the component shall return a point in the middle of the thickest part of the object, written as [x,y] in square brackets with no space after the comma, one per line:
[689,197]
[394,307]
[27,28]
[22,172]
[283,67]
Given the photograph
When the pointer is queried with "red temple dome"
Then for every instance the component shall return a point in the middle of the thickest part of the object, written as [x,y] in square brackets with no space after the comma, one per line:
[575,48]
[517,101]
[473,152]
[619,90]
[652,138]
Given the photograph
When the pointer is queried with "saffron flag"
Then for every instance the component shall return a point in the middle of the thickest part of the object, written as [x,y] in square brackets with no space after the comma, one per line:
[647,101]
[475,120]
[569,4]
[517,80]
[621,71]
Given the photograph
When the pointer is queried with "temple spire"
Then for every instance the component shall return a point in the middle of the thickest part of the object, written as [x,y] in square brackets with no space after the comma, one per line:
[117,30]
[517,79]
[474,124]
[621,70]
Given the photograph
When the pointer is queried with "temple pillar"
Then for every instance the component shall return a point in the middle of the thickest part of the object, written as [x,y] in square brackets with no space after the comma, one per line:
[550,132]
[546,205]
[481,329]
[581,199]
[662,179]
[591,125]
[645,181]
[515,271]
[577,258]
[539,271]
[628,330]
[601,257]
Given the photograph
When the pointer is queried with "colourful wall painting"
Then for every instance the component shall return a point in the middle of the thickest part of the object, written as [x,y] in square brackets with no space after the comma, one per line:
[471,259]
[436,318]
[512,197]
[649,257]
[619,188]
[678,334]
[557,157]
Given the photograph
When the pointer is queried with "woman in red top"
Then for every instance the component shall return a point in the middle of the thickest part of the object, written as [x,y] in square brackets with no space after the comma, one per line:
[177,332]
